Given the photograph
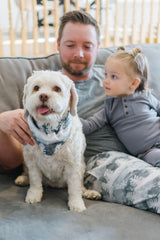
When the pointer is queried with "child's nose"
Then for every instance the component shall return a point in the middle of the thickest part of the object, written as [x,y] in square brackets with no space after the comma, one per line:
[106,80]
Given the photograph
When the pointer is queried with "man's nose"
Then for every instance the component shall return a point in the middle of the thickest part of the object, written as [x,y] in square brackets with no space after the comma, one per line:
[79,52]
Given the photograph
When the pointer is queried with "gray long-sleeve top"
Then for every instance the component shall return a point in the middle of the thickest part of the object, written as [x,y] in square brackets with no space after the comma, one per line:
[135,119]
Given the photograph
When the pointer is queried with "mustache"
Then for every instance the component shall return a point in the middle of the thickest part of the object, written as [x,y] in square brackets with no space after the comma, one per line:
[78,61]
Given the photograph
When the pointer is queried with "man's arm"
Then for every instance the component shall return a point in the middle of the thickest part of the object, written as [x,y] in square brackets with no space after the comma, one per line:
[13,123]
[14,131]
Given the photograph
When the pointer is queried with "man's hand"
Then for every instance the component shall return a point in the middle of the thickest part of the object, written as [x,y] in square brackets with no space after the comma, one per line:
[13,123]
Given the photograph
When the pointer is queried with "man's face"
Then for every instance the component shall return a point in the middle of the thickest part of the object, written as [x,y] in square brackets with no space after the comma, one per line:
[78,48]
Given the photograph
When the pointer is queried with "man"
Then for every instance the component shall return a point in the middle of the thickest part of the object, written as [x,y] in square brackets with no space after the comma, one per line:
[78,44]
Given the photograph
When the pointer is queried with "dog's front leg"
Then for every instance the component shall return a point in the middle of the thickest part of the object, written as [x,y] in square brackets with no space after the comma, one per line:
[35,191]
[75,201]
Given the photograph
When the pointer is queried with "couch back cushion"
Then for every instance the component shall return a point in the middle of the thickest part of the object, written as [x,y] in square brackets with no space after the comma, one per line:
[14,72]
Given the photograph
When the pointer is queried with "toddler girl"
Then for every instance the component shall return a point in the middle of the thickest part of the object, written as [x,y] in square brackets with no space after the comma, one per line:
[130,108]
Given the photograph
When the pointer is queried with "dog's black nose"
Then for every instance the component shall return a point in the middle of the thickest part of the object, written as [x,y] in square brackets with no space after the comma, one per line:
[43,98]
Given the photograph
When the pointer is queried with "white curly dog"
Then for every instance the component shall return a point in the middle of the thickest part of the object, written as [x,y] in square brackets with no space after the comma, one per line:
[50,105]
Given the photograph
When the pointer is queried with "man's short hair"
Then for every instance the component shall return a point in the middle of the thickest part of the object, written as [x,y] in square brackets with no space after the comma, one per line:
[77,16]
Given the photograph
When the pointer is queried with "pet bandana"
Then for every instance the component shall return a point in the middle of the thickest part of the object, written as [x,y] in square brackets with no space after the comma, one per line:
[50,140]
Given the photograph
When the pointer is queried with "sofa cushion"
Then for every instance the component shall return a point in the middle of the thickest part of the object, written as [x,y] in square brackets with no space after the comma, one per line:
[51,219]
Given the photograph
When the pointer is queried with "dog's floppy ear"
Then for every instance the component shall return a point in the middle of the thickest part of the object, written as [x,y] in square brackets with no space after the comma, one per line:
[73,100]
[26,113]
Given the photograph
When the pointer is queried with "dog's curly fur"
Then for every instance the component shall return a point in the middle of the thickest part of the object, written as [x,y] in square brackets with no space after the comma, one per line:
[66,167]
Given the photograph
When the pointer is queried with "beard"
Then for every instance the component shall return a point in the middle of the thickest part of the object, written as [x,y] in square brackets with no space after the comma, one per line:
[76,72]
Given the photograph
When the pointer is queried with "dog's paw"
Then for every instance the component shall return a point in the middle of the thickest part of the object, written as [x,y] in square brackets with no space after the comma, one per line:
[91,194]
[34,195]
[22,180]
[77,205]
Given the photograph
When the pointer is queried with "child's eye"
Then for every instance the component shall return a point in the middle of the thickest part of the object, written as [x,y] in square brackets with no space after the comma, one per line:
[105,75]
[114,76]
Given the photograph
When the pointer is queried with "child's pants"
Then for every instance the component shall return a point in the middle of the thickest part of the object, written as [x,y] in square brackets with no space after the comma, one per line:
[152,156]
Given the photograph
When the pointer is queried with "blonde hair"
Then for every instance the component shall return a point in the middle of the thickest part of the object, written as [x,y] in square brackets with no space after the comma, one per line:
[137,62]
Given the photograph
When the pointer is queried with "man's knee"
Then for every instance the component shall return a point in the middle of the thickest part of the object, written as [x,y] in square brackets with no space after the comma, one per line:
[11,155]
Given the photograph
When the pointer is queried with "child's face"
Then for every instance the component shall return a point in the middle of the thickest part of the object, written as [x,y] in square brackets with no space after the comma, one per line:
[117,82]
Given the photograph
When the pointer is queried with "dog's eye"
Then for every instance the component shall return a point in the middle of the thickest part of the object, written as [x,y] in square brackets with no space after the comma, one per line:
[56,89]
[36,88]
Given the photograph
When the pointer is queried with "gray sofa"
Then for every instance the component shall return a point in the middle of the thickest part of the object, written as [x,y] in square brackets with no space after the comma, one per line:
[109,218]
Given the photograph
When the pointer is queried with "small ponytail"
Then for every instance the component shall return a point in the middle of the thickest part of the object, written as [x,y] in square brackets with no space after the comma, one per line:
[121,48]
[136,50]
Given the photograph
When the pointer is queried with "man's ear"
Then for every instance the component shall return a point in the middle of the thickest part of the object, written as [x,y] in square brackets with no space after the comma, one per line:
[58,44]
[135,83]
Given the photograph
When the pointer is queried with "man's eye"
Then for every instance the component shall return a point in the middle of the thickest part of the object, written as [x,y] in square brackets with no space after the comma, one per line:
[70,46]
[88,47]
[56,89]
[36,88]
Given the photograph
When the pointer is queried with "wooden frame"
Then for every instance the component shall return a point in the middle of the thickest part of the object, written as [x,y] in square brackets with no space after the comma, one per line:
[114,26]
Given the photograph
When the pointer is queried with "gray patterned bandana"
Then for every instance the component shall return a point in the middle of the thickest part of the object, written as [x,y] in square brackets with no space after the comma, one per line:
[50,140]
